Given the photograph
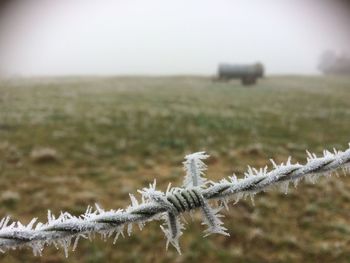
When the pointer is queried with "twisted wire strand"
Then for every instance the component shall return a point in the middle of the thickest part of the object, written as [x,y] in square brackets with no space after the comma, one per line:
[64,229]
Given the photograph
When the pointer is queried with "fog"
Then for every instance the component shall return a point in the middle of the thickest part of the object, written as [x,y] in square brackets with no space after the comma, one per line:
[160,37]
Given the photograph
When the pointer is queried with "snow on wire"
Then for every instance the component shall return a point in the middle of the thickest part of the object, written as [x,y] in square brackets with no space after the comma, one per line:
[168,206]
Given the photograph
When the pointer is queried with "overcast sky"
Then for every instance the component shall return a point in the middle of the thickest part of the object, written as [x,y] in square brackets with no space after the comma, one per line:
[102,37]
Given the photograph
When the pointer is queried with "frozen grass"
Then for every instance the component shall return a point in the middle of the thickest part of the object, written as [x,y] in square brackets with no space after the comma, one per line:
[114,135]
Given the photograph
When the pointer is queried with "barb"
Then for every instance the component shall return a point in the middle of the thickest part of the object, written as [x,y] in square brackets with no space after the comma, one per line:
[169,205]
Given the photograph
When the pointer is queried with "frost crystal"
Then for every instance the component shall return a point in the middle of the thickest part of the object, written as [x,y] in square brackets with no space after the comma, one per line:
[174,231]
[212,220]
[195,167]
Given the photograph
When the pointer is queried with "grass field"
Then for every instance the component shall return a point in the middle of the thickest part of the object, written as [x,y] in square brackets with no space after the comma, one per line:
[111,136]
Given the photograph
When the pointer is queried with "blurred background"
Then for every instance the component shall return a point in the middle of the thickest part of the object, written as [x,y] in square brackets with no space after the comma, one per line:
[98,98]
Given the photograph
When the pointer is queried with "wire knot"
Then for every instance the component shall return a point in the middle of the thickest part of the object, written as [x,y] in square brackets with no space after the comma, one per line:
[185,199]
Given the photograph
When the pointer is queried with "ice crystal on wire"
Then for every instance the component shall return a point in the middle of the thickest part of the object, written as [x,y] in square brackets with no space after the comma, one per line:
[211,218]
[318,164]
[173,230]
[281,175]
[150,194]
[195,167]
[134,204]
[172,219]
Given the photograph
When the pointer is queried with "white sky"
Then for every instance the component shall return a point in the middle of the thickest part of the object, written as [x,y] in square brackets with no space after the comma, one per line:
[101,37]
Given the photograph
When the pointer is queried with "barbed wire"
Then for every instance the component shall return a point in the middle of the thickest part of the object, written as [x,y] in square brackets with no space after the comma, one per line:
[66,229]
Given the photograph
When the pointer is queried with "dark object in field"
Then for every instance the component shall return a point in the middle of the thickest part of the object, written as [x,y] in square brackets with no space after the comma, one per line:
[248,73]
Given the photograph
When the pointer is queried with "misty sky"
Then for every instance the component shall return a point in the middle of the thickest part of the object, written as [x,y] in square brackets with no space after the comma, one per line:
[42,37]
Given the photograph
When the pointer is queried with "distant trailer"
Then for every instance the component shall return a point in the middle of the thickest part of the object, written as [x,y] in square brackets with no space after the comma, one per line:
[247,73]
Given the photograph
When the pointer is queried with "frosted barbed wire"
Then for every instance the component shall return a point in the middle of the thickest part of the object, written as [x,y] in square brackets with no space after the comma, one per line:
[169,205]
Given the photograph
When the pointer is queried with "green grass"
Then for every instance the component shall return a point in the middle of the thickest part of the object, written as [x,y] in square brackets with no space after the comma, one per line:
[114,135]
